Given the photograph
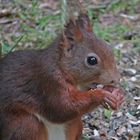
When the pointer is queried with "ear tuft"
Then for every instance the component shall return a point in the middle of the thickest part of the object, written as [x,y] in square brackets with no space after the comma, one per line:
[78,34]
[64,43]
[73,31]
[84,22]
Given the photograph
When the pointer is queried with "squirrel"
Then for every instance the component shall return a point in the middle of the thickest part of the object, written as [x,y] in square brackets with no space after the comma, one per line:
[44,93]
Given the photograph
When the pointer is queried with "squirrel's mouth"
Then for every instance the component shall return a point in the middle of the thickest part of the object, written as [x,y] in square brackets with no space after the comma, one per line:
[95,86]
[90,86]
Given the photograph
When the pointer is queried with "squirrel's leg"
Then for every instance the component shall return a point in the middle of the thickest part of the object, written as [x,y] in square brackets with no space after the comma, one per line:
[23,127]
[74,129]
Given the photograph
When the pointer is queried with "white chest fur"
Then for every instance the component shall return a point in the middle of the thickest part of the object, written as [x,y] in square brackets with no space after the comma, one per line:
[54,131]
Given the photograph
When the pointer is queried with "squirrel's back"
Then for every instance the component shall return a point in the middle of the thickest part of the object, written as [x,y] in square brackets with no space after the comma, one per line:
[17,71]
[23,73]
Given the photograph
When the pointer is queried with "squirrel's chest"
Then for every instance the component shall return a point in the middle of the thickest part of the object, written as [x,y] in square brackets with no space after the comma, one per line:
[54,131]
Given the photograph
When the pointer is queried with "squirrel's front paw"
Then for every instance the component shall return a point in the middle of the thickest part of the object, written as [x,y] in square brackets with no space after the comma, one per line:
[119,94]
[115,99]
[104,97]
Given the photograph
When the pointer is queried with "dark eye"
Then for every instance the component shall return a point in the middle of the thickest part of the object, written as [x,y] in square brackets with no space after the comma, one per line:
[92,60]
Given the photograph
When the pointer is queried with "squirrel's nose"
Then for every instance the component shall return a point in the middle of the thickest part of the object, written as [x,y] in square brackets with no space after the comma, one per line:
[115,80]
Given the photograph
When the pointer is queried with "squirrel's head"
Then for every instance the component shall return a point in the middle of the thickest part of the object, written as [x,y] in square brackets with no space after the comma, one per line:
[85,58]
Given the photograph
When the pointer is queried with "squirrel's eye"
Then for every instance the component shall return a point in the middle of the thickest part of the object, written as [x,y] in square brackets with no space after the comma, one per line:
[92,60]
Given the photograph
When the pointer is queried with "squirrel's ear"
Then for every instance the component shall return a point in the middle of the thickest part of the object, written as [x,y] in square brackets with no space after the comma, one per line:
[73,31]
[64,42]
[65,45]
[84,22]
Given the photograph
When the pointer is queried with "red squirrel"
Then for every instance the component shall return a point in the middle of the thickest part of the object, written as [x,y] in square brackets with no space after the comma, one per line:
[44,93]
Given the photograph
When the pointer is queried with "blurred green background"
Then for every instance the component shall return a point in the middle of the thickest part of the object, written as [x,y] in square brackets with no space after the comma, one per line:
[34,24]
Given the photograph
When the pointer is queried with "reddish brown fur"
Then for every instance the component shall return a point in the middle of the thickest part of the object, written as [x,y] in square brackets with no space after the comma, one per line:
[74,129]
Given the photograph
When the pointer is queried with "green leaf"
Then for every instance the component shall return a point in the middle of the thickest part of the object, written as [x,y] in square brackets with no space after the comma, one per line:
[107,113]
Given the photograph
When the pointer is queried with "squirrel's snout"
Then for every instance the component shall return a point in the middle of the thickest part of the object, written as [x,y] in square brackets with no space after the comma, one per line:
[115,79]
